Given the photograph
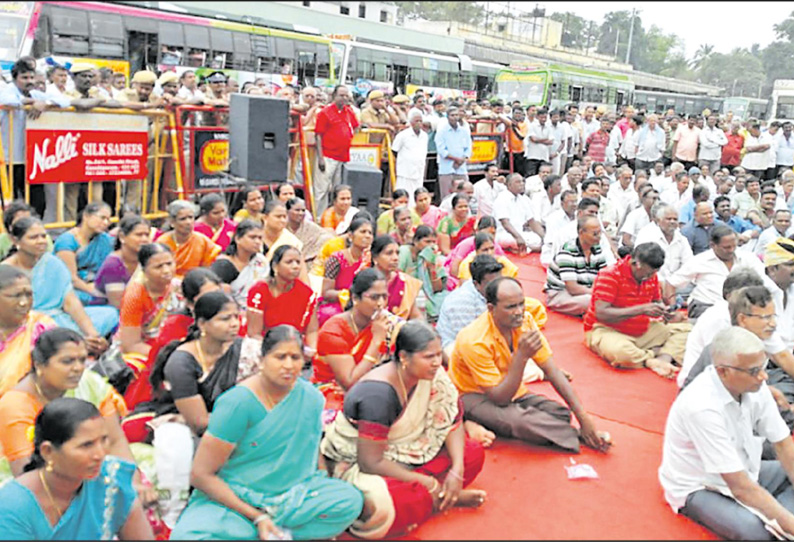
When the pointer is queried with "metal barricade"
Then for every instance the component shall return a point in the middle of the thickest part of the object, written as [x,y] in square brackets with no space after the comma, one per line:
[483,151]
[157,158]
[363,139]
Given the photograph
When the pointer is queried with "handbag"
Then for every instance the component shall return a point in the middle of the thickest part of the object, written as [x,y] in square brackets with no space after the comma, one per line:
[112,366]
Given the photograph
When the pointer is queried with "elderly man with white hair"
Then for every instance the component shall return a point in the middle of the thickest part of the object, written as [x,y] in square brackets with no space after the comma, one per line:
[713,440]
[411,148]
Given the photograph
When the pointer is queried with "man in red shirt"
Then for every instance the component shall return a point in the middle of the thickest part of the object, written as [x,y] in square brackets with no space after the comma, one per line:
[336,123]
[732,151]
[627,323]
[597,142]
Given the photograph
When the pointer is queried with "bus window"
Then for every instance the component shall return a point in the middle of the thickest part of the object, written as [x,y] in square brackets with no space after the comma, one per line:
[170,56]
[69,31]
[455,80]
[107,35]
[307,64]
[575,93]
[197,40]
[196,58]
[620,97]
[324,62]
[285,53]
[243,57]
[218,61]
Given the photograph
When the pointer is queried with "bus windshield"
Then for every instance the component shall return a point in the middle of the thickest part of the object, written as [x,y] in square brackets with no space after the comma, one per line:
[529,89]
[785,107]
[13,22]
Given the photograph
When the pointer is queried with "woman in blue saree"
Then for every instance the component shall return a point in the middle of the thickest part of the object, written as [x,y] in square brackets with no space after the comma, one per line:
[256,470]
[84,248]
[53,294]
[71,490]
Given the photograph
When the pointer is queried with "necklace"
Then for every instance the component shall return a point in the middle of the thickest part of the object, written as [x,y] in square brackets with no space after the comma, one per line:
[38,389]
[49,493]
[353,323]
[402,385]
[200,353]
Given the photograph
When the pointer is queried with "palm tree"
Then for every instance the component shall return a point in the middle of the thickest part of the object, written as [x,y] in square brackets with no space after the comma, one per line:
[701,55]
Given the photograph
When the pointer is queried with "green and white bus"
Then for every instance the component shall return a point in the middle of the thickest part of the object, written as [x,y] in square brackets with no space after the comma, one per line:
[555,86]
[745,108]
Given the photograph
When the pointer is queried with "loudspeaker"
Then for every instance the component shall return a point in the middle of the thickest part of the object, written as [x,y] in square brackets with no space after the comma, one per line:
[258,138]
[365,180]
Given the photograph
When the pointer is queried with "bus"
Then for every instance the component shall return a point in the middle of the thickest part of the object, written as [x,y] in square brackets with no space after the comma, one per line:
[683,104]
[128,39]
[782,101]
[365,66]
[555,86]
[745,108]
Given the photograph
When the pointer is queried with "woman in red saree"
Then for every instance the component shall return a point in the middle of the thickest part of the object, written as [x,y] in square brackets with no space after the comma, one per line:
[213,220]
[350,344]
[402,288]
[341,268]
[456,226]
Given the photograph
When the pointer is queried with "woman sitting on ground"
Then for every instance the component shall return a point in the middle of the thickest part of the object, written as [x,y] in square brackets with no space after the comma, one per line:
[283,298]
[190,375]
[11,213]
[191,249]
[342,267]
[253,204]
[404,229]
[84,248]
[247,491]
[484,244]
[243,263]
[352,343]
[310,234]
[335,244]
[337,218]
[213,220]
[275,231]
[456,226]
[387,222]
[72,489]
[403,289]
[150,296]
[427,212]
[118,268]
[53,294]
[286,192]
[400,439]
[421,260]
[59,360]
[466,246]
[20,326]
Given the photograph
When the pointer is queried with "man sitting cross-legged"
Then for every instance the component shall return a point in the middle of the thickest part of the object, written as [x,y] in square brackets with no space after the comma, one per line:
[570,277]
[487,365]
[712,451]
[627,324]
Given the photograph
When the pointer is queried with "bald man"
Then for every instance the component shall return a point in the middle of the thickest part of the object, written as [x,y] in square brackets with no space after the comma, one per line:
[411,148]
[697,231]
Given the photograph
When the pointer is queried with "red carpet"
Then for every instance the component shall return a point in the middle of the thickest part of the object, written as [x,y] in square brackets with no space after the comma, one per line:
[529,494]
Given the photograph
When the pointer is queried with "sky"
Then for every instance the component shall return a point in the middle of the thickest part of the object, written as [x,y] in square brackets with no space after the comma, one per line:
[725,25]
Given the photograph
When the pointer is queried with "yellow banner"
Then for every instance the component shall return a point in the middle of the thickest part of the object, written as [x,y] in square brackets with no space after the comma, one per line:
[484,151]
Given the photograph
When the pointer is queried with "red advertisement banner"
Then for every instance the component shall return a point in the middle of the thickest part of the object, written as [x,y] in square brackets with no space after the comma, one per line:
[54,156]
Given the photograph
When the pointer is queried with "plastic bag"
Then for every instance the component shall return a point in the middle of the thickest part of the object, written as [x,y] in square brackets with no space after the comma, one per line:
[173,453]
[580,471]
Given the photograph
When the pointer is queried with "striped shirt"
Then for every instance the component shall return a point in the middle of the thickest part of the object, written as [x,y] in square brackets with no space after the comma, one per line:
[571,264]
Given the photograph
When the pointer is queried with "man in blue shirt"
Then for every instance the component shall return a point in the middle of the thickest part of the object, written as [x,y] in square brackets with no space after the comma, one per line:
[453,144]
[466,303]
[744,228]
[697,231]
[20,93]
[700,193]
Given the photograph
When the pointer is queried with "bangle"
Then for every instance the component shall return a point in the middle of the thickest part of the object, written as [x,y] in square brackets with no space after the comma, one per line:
[260,518]
[455,475]
[435,487]
[370,358]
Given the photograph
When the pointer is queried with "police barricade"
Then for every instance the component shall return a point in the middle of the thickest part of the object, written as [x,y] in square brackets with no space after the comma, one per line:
[488,146]
[369,146]
[204,133]
[122,149]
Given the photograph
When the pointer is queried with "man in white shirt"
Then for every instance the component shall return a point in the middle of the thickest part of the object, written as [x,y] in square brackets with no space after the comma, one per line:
[650,145]
[562,134]
[711,456]
[757,147]
[590,124]
[572,180]
[781,227]
[679,193]
[535,183]
[628,148]
[539,142]
[785,149]
[544,203]
[188,91]
[622,193]
[487,189]
[708,270]
[664,231]
[659,178]
[411,148]
[516,227]
[712,139]
[639,217]
[779,280]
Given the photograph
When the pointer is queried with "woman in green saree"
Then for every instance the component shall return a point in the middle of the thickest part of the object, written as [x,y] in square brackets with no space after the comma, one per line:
[256,470]
[422,260]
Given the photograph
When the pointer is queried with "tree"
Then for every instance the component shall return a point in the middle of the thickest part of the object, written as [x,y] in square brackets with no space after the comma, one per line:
[576,30]
[785,29]
[677,66]
[701,55]
[463,12]
[739,72]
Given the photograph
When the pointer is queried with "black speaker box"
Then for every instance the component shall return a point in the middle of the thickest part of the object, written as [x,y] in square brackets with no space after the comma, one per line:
[258,138]
[365,180]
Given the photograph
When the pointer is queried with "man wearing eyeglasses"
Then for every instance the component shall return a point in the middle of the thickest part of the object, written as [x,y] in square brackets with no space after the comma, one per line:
[713,440]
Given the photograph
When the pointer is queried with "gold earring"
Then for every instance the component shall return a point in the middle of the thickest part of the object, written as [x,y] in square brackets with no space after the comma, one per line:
[49,467]
[203,333]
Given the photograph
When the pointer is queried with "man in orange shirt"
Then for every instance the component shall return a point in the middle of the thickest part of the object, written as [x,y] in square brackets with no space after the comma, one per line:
[487,365]
[516,129]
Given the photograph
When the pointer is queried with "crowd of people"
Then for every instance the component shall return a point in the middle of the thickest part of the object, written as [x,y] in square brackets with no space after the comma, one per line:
[143,367]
